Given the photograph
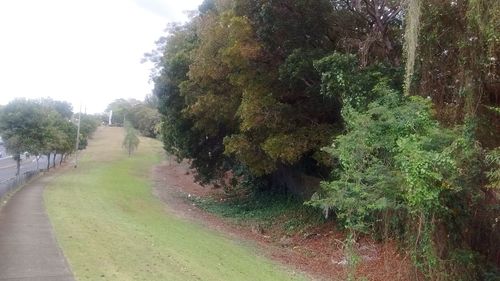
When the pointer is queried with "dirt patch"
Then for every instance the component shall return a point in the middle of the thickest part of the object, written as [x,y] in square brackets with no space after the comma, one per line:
[318,252]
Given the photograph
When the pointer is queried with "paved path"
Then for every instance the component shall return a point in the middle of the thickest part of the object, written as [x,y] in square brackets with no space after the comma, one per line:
[28,248]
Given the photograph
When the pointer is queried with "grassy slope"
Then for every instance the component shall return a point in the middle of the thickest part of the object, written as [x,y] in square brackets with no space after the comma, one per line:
[112,228]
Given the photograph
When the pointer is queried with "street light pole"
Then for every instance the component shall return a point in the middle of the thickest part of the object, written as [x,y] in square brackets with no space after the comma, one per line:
[78,136]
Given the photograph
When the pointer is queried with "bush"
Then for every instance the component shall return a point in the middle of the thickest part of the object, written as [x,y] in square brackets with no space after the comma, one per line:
[395,158]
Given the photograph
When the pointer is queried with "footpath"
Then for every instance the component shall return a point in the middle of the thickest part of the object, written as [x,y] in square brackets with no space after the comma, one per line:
[28,248]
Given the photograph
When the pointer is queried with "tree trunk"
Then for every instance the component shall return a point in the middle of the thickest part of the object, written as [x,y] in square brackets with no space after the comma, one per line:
[37,166]
[18,165]
[48,161]
[54,160]
[61,160]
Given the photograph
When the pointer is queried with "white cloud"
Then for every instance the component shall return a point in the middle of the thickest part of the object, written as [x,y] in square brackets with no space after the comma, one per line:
[85,51]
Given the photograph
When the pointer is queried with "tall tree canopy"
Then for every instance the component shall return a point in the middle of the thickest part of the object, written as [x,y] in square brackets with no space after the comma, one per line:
[24,128]
[260,88]
[42,127]
[238,83]
[143,116]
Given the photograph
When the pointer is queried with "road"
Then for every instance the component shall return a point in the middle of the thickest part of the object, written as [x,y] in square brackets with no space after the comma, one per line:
[8,165]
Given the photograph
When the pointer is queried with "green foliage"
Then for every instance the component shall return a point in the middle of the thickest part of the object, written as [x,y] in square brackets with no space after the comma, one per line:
[131,140]
[396,159]
[342,77]
[370,180]
[238,83]
[143,116]
[263,208]
[42,127]
[88,125]
[145,119]
[172,60]
[493,174]
[228,94]
[24,127]
[120,108]
[457,63]
[259,87]
[64,108]
[65,136]
[38,127]
[456,66]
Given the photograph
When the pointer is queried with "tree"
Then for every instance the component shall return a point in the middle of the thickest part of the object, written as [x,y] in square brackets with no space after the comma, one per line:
[131,141]
[24,128]
[228,94]
[67,131]
[42,127]
[456,62]
[63,108]
[63,138]
[120,108]
[88,125]
[396,158]
[374,29]
[57,115]
[145,119]
[143,116]
[172,59]
[259,88]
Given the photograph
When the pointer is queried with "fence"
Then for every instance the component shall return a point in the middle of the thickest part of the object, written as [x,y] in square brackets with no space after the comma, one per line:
[12,183]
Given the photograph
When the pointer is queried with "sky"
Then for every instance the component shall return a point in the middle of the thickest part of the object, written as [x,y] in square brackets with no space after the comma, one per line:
[87,52]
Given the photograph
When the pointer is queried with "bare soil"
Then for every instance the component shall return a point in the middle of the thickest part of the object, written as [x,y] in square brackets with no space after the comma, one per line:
[318,252]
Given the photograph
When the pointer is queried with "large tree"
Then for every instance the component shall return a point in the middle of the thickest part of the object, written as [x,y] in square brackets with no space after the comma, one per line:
[238,83]
[24,128]
[145,119]
[120,108]
[57,116]
[88,125]
[143,116]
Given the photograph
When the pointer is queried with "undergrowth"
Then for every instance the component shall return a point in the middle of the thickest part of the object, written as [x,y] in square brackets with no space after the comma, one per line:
[266,210]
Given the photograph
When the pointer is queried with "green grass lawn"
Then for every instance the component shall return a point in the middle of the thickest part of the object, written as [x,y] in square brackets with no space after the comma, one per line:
[110,227]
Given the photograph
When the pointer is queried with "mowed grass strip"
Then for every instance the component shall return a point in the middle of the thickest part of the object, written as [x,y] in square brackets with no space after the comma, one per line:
[110,227]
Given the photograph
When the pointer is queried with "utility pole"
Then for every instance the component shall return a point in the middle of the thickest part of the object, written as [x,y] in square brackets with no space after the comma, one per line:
[78,136]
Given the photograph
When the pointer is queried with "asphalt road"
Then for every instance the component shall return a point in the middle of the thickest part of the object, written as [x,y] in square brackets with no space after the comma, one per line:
[8,165]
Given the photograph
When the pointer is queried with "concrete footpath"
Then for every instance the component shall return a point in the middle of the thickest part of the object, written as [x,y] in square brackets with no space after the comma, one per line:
[28,248]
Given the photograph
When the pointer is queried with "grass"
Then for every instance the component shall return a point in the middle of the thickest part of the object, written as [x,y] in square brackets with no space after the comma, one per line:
[110,227]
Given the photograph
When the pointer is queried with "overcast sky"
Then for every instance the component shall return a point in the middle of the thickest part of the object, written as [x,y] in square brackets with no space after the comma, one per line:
[81,51]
